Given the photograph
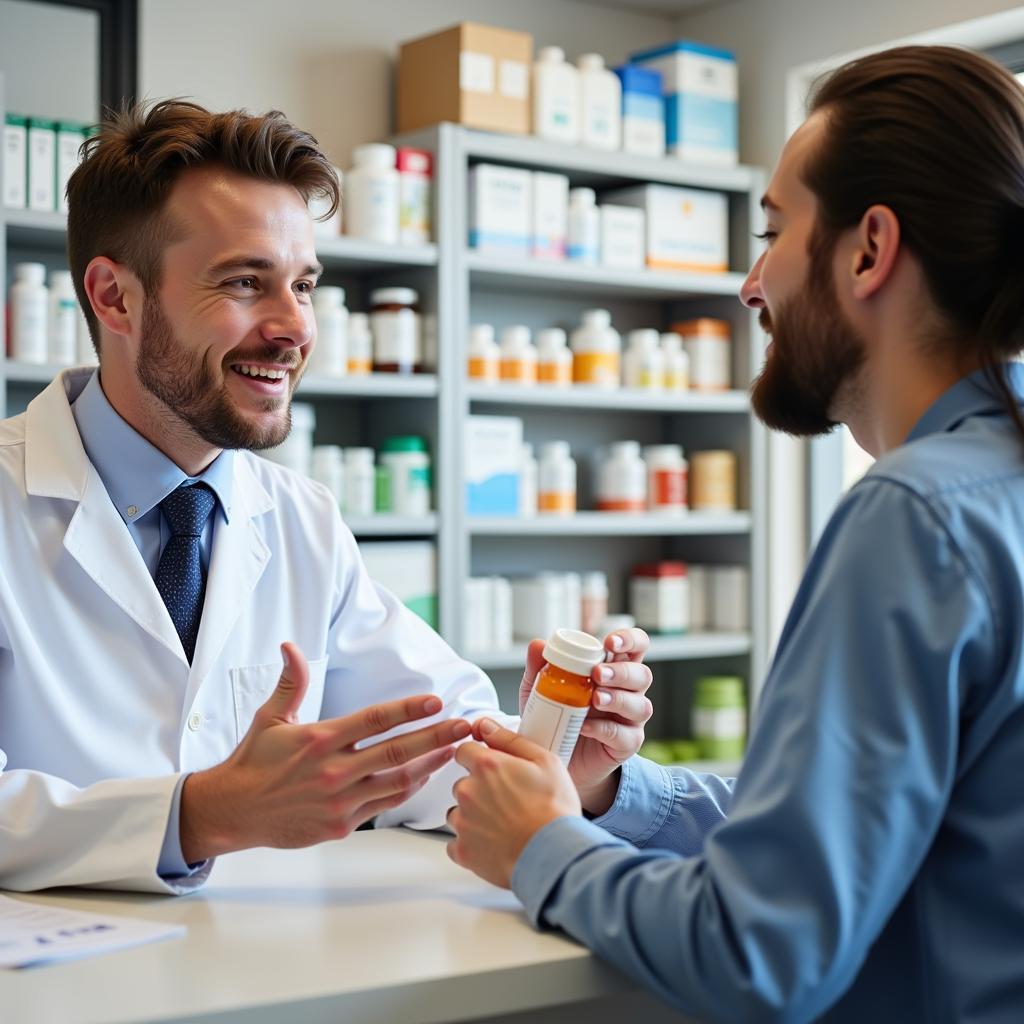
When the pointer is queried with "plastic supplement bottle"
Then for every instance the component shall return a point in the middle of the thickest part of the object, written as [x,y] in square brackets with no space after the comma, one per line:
[643,365]
[594,602]
[554,360]
[600,104]
[518,356]
[556,97]
[360,345]
[62,328]
[556,485]
[484,359]
[677,362]
[360,482]
[584,239]
[372,190]
[408,466]
[28,299]
[330,354]
[562,691]
[622,479]
[667,478]
[596,348]
[396,330]
[719,717]
[528,480]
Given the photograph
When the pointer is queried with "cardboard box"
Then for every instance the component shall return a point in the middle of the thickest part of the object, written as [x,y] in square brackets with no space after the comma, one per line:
[42,164]
[623,237]
[687,228]
[15,161]
[643,110]
[494,450]
[470,74]
[409,570]
[550,215]
[500,200]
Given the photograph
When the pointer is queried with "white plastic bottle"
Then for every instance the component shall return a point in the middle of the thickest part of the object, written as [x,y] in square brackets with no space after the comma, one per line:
[484,358]
[643,365]
[593,602]
[360,345]
[556,97]
[528,482]
[600,104]
[677,362]
[622,479]
[330,354]
[328,467]
[518,356]
[360,482]
[584,227]
[556,484]
[62,328]
[372,195]
[596,350]
[554,360]
[28,300]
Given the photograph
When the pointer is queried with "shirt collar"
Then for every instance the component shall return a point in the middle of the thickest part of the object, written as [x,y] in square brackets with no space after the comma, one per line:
[971,396]
[137,475]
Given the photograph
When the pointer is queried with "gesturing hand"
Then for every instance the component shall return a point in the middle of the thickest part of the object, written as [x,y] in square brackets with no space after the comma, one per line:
[290,785]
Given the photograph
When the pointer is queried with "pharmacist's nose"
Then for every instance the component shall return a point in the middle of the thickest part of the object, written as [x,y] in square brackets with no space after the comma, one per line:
[750,293]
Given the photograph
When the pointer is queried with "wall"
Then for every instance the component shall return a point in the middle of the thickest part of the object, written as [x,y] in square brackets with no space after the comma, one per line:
[769,38]
[329,65]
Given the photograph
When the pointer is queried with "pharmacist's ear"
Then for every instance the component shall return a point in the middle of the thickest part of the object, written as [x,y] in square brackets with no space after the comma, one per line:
[115,295]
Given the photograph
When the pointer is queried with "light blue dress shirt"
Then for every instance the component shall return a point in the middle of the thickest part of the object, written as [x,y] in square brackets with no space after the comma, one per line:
[138,477]
[868,863]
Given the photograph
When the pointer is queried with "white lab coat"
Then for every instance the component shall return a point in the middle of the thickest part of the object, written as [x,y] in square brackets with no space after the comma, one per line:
[100,711]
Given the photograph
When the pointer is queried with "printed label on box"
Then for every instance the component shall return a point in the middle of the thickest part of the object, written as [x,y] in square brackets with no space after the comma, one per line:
[513,79]
[476,72]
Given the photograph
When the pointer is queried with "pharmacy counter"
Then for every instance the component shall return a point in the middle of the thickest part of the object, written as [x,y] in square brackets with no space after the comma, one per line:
[380,927]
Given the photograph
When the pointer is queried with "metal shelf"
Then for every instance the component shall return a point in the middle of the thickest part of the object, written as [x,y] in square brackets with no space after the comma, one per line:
[582,396]
[357,254]
[392,526]
[372,385]
[34,228]
[613,524]
[492,271]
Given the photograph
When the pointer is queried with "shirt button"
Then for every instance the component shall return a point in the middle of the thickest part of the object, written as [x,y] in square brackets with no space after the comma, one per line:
[132,510]
[195,720]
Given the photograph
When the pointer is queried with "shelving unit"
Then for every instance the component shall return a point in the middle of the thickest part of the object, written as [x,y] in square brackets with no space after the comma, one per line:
[460,287]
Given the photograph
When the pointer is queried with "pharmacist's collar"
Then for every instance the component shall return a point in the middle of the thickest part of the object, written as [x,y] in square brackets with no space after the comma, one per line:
[972,395]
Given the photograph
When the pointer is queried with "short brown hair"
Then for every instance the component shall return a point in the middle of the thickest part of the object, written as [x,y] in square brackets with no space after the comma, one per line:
[116,197]
[936,133]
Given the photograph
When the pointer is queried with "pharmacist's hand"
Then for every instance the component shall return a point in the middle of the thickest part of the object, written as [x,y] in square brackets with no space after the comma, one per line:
[614,728]
[290,785]
[514,788]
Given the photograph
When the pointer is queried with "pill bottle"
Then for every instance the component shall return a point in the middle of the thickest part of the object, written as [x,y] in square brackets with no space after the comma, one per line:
[659,597]
[713,482]
[360,482]
[484,358]
[556,97]
[561,694]
[28,300]
[518,356]
[596,350]
[643,364]
[709,347]
[719,717]
[556,484]
[554,360]
[408,466]
[677,362]
[593,601]
[296,450]
[360,345]
[62,320]
[600,103]
[730,598]
[372,191]
[328,467]
[330,355]
[667,478]
[381,489]
[699,579]
[528,482]
[396,330]
[584,235]
[622,479]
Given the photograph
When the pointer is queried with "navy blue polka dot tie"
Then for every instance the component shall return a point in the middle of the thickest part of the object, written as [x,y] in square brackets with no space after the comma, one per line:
[179,575]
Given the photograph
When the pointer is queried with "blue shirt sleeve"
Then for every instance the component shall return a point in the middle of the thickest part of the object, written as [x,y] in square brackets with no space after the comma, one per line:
[848,771]
[172,863]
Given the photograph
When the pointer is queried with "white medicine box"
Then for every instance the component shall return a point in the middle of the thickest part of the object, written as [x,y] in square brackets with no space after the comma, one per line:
[15,162]
[500,210]
[493,455]
[409,570]
[687,228]
[622,236]
[550,215]
[42,165]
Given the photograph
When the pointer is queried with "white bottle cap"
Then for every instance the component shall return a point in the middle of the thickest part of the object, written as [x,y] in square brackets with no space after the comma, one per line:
[30,273]
[327,455]
[582,196]
[60,280]
[394,297]
[645,339]
[555,450]
[359,455]
[590,62]
[515,337]
[595,581]
[551,339]
[376,155]
[597,318]
[481,334]
[551,55]
[329,295]
[672,342]
[624,449]
[574,651]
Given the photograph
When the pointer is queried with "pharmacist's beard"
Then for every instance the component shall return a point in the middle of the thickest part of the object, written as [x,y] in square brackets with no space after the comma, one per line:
[815,355]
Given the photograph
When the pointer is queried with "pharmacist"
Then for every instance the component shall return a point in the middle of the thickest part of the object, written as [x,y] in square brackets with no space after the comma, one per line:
[868,863]
[151,573]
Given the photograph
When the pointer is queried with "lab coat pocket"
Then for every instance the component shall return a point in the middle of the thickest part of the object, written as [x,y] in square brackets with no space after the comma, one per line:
[253,685]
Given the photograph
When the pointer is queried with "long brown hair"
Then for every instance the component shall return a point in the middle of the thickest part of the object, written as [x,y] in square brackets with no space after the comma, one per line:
[117,195]
[936,133]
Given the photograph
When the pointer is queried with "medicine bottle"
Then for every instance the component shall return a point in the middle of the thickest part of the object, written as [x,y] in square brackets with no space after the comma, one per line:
[562,691]
[408,466]
[518,356]
[554,360]
[719,717]
[622,479]
[713,487]
[372,191]
[528,481]
[596,350]
[328,468]
[330,355]
[667,478]
[643,365]
[360,482]
[584,237]
[593,602]
[677,362]
[396,330]
[360,345]
[600,104]
[484,357]
[62,327]
[556,97]
[28,300]
[709,346]
[556,486]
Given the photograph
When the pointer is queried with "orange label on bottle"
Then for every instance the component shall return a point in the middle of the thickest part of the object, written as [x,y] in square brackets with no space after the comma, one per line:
[360,366]
[483,369]
[518,370]
[596,368]
[563,502]
[554,373]
[620,506]
[668,488]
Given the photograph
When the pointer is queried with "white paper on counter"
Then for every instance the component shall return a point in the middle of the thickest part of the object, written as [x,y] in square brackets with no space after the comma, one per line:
[31,934]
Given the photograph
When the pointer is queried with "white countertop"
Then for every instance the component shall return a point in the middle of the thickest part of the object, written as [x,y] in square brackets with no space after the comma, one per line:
[380,927]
